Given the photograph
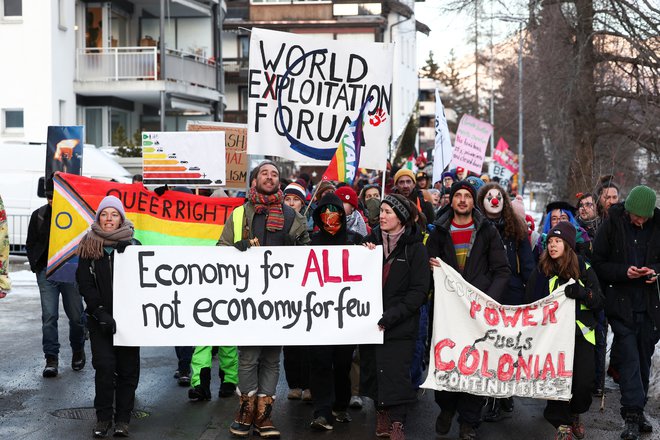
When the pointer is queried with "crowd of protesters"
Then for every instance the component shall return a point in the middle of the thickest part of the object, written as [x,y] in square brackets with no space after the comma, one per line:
[609,247]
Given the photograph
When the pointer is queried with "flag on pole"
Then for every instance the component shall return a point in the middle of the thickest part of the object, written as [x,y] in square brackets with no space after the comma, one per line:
[505,157]
[346,159]
[442,153]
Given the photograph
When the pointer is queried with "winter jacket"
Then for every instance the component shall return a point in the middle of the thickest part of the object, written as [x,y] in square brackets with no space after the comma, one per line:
[538,287]
[487,267]
[95,280]
[611,261]
[38,236]
[343,237]
[293,233]
[5,283]
[385,373]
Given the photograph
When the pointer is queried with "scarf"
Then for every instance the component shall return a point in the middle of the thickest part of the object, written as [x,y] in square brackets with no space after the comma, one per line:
[270,204]
[390,241]
[91,245]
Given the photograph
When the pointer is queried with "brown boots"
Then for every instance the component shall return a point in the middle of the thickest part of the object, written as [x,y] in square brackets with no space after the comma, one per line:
[255,411]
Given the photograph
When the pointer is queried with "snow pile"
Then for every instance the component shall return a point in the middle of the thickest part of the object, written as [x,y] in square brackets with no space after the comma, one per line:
[654,382]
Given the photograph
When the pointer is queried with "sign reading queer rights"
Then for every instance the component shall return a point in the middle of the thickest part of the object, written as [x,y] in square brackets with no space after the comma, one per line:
[235,149]
[265,296]
[470,144]
[484,348]
[181,158]
[304,91]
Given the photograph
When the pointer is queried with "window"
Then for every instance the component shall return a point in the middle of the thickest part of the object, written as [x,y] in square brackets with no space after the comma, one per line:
[12,8]
[12,121]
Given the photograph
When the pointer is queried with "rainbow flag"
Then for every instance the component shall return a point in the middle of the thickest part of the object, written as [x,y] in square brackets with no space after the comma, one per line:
[345,162]
[175,218]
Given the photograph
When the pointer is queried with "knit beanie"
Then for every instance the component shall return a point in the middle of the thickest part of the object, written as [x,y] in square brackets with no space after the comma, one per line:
[461,184]
[404,172]
[322,187]
[111,202]
[400,207]
[347,195]
[566,231]
[295,189]
[476,182]
[641,201]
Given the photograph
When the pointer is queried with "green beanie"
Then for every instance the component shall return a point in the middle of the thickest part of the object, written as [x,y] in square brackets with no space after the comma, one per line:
[641,201]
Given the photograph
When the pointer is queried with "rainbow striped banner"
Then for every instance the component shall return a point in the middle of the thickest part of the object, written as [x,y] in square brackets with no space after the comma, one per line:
[175,218]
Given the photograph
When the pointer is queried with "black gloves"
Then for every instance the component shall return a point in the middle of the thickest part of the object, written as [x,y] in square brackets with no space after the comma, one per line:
[242,245]
[161,190]
[121,246]
[105,320]
[576,291]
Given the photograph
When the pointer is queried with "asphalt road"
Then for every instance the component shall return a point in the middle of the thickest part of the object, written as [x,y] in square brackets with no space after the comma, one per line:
[32,407]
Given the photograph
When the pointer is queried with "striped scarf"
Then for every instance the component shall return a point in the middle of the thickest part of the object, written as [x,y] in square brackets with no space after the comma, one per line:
[271,204]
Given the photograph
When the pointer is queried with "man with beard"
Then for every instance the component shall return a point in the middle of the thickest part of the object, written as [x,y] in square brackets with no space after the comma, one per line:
[264,220]
[405,184]
[608,195]
[587,215]
[465,240]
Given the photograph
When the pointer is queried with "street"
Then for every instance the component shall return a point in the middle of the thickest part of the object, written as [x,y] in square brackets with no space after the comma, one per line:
[32,407]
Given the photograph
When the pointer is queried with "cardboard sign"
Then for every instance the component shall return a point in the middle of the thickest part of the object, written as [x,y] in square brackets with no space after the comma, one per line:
[482,347]
[184,158]
[235,149]
[288,295]
[303,92]
[472,138]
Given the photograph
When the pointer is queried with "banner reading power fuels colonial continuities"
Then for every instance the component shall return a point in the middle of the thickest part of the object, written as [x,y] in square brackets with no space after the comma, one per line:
[302,295]
[175,218]
[303,92]
[482,347]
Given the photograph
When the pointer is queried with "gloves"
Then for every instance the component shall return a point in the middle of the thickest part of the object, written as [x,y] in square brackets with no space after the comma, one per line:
[242,245]
[575,291]
[105,320]
[121,246]
[161,190]
[386,321]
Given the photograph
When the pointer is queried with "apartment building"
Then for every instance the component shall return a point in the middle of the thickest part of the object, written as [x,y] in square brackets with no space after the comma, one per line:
[104,65]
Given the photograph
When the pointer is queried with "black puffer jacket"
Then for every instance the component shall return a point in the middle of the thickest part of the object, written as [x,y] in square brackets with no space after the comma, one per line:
[487,267]
[611,261]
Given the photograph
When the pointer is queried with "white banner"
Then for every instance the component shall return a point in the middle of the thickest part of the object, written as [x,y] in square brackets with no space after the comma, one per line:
[482,347]
[294,295]
[303,92]
[442,151]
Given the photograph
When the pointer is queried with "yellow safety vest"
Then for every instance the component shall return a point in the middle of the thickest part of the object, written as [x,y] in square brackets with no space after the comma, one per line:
[588,333]
[237,217]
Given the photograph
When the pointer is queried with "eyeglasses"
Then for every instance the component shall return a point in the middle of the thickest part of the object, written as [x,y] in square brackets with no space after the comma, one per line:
[585,205]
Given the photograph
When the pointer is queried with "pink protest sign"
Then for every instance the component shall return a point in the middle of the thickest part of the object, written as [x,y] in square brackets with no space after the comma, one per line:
[470,145]
[505,157]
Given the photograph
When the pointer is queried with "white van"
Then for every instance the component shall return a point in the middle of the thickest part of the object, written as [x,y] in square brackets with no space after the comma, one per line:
[21,166]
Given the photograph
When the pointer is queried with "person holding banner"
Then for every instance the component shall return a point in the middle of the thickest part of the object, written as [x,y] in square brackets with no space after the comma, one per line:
[385,369]
[465,240]
[264,220]
[117,368]
[5,282]
[558,265]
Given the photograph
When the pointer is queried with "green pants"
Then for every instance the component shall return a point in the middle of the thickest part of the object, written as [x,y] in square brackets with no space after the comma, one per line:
[228,357]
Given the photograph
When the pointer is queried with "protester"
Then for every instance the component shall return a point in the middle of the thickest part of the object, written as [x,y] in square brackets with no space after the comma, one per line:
[385,369]
[369,200]
[404,182]
[587,216]
[117,368]
[627,260]
[564,212]
[295,196]
[494,202]
[137,178]
[201,364]
[559,265]
[460,173]
[264,220]
[448,178]
[607,193]
[5,282]
[331,364]
[422,180]
[36,245]
[460,231]
[354,218]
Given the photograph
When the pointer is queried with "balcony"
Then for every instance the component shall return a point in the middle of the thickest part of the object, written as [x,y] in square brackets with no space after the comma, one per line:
[142,63]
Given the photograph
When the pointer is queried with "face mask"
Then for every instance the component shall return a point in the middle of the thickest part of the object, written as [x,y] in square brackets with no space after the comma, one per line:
[373,207]
[331,220]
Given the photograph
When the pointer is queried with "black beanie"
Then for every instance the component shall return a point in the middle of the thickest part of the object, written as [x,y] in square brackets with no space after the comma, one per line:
[400,207]
[461,184]
[566,231]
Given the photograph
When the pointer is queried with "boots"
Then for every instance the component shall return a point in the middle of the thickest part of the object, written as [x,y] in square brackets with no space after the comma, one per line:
[203,390]
[631,430]
[396,432]
[577,427]
[263,425]
[383,423]
[564,432]
[242,423]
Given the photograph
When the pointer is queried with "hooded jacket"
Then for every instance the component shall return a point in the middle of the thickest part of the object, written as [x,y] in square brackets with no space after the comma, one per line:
[486,267]
[322,237]
[611,260]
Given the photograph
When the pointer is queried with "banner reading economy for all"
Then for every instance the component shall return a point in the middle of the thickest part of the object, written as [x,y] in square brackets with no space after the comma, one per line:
[175,218]
[293,295]
[482,347]
[303,93]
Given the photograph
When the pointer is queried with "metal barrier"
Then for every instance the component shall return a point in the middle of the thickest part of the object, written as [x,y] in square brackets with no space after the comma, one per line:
[18,228]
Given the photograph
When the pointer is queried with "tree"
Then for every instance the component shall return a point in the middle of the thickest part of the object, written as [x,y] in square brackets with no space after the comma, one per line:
[431,69]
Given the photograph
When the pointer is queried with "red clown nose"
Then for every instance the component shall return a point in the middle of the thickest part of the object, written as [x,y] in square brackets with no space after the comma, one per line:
[495,202]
